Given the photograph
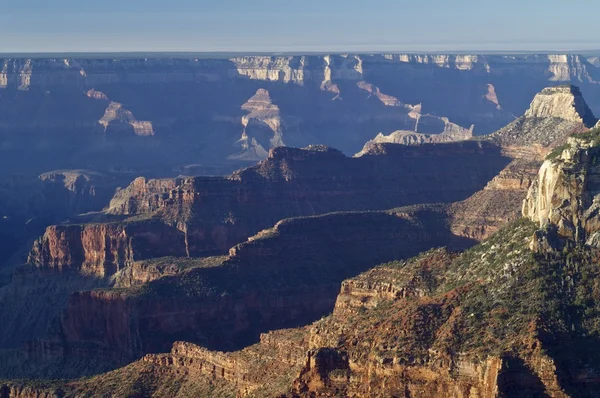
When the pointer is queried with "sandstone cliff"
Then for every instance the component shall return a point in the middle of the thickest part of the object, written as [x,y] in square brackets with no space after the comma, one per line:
[206,215]
[555,114]
[286,276]
[439,325]
[103,249]
[564,195]
[28,204]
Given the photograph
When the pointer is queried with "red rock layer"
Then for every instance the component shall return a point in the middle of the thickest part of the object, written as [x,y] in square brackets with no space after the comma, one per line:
[214,214]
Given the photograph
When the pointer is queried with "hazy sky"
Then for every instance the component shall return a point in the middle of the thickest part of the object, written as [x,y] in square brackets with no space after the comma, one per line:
[297,25]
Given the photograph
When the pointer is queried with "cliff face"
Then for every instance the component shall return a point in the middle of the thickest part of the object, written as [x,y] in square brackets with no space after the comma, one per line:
[564,195]
[276,279]
[28,204]
[500,202]
[554,114]
[160,113]
[564,102]
[103,249]
[438,325]
[199,216]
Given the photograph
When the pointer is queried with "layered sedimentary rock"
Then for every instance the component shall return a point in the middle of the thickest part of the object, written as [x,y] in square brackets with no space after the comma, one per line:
[28,204]
[442,324]
[160,113]
[144,271]
[203,215]
[499,202]
[451,133]
[554,114]
[564,198]
[285,276]
[103,249]
[564,102]
[262,128]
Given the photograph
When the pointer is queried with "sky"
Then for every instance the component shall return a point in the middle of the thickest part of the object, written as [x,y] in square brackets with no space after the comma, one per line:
[297,25]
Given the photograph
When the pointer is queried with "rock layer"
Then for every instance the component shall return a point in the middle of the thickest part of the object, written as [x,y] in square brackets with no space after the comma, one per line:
[554,114]
[200,216]
[438,325]
[565,193]
[285,276]
[160,113]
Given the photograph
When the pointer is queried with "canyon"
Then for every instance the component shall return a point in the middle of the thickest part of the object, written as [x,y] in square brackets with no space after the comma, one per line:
[162,116]
[489,321]
[319,272]
[156,114]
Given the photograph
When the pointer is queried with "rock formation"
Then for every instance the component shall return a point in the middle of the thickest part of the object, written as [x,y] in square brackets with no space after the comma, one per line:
[285,276]
[172,112]
[29,204]
[475,324]
[262,128]
[554,114]
[451,133]
[563,102]
[138,283]
[200,216]
[564,197]
[115,115]
[499,203]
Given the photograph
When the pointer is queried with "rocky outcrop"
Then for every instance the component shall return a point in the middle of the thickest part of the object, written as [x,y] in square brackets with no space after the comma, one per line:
[263,128]
[205,215]
[563,102]
[103,249]
[142,195]
[118,118]
[564,195]
[554,114]
[451,133]
[276,279]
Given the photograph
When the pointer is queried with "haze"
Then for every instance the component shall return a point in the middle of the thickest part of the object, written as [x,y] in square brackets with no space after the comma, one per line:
[310,25]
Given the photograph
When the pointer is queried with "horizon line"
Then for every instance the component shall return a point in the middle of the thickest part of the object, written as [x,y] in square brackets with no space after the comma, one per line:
[38,54]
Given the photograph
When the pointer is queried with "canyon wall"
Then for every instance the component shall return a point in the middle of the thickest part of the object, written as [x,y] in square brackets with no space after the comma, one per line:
[408,327]
[155,114]
[563,199]
[286,276]
[28,204]
[205,215]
